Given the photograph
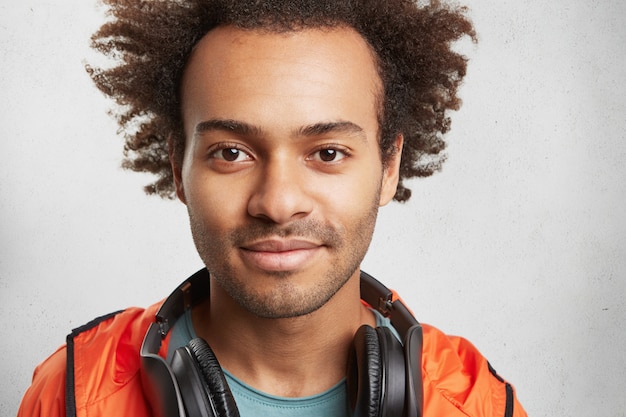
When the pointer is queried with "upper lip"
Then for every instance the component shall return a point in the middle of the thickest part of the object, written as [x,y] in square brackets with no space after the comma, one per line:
[280,245]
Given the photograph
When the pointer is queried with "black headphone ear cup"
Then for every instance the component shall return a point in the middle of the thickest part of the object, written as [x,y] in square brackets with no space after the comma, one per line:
[215,382]
[393,374]
[364,373]
[376,374]
[202,384]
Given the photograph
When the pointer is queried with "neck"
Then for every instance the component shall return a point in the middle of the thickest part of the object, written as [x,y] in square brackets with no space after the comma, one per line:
[289,357]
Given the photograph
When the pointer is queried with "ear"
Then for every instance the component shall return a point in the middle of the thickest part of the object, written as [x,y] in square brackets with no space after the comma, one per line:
[391,174]
[176,164]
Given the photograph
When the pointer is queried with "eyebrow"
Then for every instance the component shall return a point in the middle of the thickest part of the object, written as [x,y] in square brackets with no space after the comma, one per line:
[228,125]
[323,128]
[245,129]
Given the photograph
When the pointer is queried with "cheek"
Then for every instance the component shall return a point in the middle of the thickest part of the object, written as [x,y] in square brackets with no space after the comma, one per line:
[352,198]
[213,200]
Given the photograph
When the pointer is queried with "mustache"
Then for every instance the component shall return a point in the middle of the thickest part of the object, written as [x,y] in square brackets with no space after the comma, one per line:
[303,229]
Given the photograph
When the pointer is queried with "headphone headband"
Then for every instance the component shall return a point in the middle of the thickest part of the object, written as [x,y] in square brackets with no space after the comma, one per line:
[168,399]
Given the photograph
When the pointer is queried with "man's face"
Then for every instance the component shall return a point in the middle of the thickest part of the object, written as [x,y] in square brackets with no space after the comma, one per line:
[282,174]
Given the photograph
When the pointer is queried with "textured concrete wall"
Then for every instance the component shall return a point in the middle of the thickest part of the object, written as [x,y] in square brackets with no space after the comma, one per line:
[519,244]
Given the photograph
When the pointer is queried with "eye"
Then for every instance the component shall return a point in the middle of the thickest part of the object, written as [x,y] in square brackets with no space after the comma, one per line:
[230,154]
[328,155]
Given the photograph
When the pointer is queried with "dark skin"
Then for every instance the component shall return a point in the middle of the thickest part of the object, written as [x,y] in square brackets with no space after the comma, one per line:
[291,150]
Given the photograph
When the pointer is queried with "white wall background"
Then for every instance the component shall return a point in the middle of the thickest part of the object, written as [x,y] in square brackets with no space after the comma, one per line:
[519,244]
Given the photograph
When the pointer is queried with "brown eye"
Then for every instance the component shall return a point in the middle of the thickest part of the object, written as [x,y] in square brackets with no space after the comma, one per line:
[230,154]
[328,155]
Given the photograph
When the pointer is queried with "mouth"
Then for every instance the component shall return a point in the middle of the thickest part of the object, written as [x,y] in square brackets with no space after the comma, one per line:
[277,255]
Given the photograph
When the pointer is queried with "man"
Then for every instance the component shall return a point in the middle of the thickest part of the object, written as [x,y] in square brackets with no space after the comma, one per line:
[283,126]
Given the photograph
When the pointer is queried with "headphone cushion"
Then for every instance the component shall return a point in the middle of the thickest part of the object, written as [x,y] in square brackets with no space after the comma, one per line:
[216,386]
[393,374]
[364,378]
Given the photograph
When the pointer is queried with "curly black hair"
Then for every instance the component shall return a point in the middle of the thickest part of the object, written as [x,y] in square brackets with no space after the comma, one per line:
[150,42]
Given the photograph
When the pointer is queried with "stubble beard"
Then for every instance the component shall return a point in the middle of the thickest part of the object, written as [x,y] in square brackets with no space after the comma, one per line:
[286,299]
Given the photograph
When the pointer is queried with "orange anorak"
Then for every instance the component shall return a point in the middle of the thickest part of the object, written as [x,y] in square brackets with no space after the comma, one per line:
[97,374]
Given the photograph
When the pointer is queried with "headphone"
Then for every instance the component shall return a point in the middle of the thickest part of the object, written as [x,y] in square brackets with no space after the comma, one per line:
[384,376]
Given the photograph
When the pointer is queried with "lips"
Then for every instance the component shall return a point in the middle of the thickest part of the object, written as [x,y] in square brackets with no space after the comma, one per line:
[281,245]
[277,255]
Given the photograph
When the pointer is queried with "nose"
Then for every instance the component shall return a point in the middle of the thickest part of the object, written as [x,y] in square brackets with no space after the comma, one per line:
[281,194]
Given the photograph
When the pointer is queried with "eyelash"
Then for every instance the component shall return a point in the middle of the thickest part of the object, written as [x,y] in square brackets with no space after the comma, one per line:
[213,152]
[332,147]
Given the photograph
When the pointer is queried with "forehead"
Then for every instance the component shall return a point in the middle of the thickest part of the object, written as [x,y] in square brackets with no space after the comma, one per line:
[241,71]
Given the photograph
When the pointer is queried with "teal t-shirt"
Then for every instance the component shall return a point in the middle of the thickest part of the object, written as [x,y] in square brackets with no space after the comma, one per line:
[253,403]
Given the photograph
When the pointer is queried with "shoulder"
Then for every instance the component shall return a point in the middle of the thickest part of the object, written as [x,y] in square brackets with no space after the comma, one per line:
[46,395]
[103,351]
[457,377]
